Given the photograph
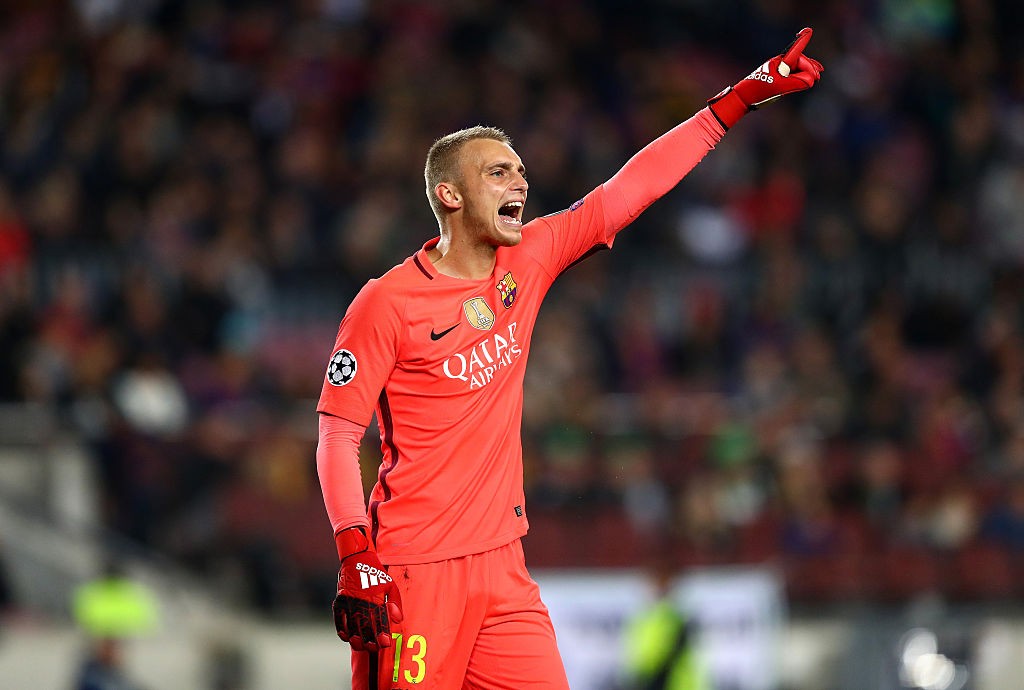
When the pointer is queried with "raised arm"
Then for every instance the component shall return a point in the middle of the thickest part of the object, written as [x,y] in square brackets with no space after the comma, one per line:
[660,165]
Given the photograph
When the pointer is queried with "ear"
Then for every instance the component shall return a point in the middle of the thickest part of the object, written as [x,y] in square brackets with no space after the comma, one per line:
[449,195]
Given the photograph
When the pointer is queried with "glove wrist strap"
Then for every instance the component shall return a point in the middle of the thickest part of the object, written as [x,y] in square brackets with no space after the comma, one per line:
[728,107]
[351,540]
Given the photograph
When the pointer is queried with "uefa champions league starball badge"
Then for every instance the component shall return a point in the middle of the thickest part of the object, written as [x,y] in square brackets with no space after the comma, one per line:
[342,368]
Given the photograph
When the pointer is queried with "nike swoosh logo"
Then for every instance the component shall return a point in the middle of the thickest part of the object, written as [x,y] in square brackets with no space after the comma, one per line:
[438,336]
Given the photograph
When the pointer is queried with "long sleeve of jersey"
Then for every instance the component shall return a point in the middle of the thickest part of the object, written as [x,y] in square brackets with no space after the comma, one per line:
[337,465]
[659,166]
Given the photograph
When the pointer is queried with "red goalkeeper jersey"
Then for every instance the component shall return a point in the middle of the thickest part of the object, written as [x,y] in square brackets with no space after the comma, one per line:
[441,361]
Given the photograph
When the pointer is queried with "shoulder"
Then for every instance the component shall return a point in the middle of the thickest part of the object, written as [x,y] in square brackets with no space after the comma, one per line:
[542,229]
[389,291]
[578,209]
[538,228]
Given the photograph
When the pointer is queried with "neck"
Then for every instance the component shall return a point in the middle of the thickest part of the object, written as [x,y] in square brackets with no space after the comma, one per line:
[469,261]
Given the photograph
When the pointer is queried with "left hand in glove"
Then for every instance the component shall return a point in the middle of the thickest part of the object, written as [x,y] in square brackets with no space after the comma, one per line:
[368,600]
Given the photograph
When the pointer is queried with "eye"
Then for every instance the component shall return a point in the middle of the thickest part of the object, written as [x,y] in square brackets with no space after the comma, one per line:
[498,173]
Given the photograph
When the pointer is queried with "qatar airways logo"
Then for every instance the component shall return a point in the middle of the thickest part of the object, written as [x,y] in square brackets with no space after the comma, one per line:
[478,366]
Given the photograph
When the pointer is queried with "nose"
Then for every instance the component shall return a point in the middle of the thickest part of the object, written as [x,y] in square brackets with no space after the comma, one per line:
[521,184]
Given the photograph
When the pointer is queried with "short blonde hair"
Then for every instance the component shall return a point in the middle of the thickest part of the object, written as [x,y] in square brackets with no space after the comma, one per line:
[443,158]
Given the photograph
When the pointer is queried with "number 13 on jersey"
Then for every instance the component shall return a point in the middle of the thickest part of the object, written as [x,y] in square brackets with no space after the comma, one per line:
[415,648]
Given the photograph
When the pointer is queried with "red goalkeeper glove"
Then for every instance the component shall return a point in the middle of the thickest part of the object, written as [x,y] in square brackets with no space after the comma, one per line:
[368,600]
[787,73]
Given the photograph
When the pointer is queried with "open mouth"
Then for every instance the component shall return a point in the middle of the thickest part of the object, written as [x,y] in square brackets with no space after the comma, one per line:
[511,213]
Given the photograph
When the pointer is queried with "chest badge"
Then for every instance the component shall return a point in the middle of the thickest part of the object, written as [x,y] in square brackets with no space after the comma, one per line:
[479,314]
[507,289]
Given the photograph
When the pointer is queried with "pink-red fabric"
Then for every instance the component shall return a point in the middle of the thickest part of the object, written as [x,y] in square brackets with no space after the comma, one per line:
[337,463]
[475,622]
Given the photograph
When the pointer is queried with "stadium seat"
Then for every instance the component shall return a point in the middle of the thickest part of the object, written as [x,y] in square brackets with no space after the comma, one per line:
[982,571]
[905,571]
[829,577]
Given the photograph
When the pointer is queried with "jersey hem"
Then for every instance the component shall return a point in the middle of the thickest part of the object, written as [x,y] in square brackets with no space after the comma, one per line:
[342,414]
[393,558]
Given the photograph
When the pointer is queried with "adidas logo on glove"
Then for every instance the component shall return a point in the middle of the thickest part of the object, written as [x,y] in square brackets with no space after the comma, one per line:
[370,576]
[762,74]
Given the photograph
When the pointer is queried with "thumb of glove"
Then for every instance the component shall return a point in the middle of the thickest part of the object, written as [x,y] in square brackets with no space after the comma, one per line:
[395,612]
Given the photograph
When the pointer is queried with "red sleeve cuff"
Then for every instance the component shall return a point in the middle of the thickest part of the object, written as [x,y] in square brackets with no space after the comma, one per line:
[351,540]
[728,107]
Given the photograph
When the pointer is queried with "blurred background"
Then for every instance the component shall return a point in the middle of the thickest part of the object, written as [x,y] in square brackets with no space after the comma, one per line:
[796,383]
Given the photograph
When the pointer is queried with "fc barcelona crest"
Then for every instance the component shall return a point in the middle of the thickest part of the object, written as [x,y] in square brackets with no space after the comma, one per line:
[479,314]
[507,289]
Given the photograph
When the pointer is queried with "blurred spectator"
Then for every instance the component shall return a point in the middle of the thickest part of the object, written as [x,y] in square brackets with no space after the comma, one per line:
[661,652]
[110,610]
[945,519]
[103,669]
[879,487]
[1004,522]
[810,525]
[631,464]
[114,606]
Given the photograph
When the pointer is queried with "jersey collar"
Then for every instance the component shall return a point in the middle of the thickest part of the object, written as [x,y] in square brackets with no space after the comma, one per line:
[423,263]
[426,266]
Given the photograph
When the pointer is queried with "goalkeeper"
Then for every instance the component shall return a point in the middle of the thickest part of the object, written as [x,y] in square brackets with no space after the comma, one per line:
[433,591]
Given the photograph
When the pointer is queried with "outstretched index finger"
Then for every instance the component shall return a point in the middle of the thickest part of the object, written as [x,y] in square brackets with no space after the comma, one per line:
[795,50]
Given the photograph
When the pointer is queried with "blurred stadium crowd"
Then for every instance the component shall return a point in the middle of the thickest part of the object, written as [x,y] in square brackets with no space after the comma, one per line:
[809,354]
